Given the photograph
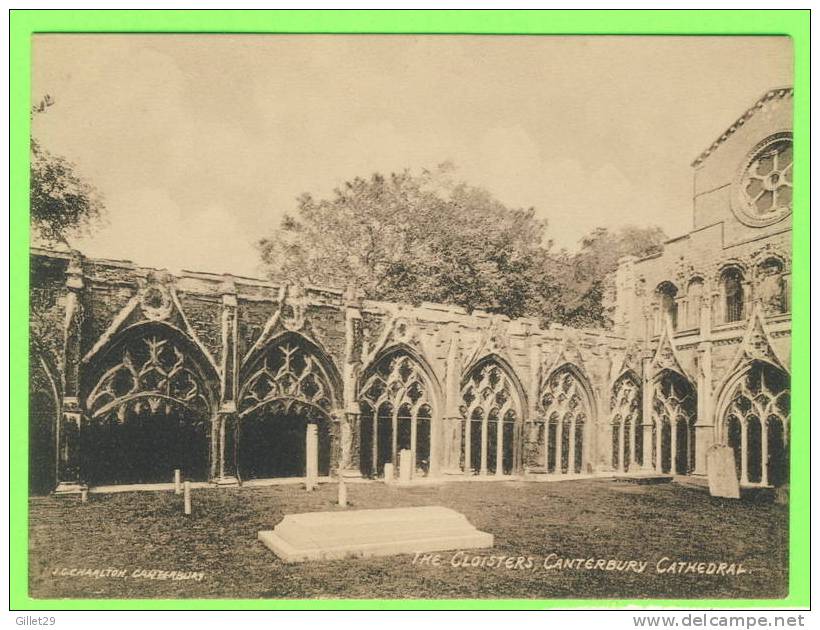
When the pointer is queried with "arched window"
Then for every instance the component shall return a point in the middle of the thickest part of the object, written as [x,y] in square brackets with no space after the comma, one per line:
[771,286]
[694,298]
[396,402]
[732,281]
[289,389]
[491,411]
[756,425]
[149,410]
[565,405]
[627,433]
[673,417]
[667,294]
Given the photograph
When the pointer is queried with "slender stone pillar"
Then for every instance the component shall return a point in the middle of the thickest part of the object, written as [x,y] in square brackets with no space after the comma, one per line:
[484,445]
[468,443]
[744,454]
[646,415]
[673,435]
[659,447]
[227,423]
[621,463]
[633,430]
[350,454]
[69,472]
[452,420]
[499,448]
[413,441]
[571,454]
[705,421]
[559,447]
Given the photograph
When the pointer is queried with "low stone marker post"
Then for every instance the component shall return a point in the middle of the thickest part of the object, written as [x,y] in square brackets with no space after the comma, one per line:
[84,495]
[177,481]
[720,466]
[388,473]
[342,500]
[312,457]
[187,498]
[405,466]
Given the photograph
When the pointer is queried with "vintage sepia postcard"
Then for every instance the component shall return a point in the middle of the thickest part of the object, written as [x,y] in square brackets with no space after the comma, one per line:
[353,316]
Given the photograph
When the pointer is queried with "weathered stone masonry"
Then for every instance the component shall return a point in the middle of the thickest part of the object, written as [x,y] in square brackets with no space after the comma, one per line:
[136,372]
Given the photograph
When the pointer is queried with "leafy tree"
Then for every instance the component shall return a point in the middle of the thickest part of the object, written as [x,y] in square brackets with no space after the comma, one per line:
[588,275]
[62,204]
[418,237]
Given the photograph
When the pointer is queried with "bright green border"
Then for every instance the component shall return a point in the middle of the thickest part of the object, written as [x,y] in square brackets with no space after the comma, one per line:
[794,23]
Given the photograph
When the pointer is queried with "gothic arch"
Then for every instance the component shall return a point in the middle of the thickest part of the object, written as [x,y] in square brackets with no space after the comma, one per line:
[399,399]
[149,396]
[493,406]
[568,407]
[286,385]
[291,369]
[674,412]
[754,417]
[626,421]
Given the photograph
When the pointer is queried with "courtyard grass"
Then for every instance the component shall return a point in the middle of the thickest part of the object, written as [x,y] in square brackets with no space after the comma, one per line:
[598,519]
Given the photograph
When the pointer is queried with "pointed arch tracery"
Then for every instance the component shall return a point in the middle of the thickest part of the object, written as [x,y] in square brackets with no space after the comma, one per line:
[149,396]
[398,403]
[754,419]
[491,409]
[674,408]
[289,375]
[626,418]
[567,406]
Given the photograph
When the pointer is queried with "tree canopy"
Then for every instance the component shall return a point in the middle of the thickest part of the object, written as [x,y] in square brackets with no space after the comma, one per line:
[62,204]
[415,238]
[426,237]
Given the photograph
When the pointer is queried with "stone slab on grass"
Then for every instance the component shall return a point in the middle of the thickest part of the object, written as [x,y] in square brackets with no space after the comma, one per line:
[364,533]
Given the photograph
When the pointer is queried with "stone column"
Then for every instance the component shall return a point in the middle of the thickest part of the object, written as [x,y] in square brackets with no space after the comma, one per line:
[226,425]
[69,457]
[621,466]
[452,446]
[646,415]
[468,444]
[484,446]
[350,418]
[499,448]
[673,449]
[705,421]
[559,446]
[571,454]
[744,454]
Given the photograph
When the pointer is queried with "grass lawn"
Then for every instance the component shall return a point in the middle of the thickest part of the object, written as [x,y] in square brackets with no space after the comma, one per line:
[599,519]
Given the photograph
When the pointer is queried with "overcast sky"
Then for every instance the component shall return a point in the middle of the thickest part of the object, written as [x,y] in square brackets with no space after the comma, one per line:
[199,144]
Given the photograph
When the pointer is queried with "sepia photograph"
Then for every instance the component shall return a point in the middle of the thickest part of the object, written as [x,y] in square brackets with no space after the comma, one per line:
[410,317]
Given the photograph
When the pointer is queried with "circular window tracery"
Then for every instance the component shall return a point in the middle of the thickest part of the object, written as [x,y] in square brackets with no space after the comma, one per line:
[764,185]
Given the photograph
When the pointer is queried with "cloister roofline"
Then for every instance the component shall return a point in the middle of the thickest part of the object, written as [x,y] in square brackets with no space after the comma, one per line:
[428,311]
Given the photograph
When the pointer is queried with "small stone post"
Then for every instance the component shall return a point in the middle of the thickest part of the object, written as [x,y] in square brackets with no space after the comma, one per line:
[84,495]
[405,466]
[177,481]
[187,498]
[312,456]
[342,492]
[388,473]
